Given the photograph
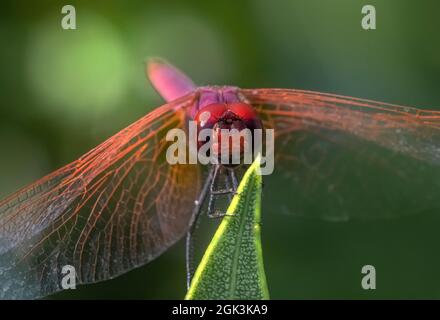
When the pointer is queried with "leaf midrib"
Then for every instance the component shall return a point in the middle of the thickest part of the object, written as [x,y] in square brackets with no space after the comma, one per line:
[233,283]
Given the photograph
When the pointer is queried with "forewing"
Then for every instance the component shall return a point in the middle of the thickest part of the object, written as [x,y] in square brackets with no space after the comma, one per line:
[116,208]
[340,157]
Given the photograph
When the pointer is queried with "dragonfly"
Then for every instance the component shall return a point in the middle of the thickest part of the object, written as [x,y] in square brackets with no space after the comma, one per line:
[121,204]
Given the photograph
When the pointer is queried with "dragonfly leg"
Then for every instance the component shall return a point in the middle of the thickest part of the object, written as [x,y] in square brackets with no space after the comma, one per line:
[223,191]
[228,186]
[189,248]
[228,190]
[212,193]
[219,214]
[233,180]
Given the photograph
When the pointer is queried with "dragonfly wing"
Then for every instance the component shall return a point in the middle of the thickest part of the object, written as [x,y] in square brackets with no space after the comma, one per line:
[116,208]
[344,157]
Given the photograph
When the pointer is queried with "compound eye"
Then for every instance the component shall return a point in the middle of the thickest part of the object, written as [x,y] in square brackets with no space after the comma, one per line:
[247,114]
[210,115]
[243,110]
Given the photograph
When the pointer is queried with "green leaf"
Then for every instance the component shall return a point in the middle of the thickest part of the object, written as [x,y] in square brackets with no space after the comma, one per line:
[232,266]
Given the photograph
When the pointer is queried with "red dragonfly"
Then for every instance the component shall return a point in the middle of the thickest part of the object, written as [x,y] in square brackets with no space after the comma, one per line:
[122,204]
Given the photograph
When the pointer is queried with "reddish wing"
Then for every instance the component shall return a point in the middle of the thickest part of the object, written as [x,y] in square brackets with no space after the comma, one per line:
[345,157]
[117,207]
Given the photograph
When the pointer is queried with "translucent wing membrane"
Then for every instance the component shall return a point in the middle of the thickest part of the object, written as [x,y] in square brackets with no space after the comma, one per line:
[343,157]
[117,207]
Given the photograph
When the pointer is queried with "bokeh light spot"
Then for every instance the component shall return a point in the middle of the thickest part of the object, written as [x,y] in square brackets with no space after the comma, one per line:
[78,72]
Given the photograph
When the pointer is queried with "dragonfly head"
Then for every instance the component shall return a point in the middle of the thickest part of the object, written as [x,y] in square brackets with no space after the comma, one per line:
[231,130]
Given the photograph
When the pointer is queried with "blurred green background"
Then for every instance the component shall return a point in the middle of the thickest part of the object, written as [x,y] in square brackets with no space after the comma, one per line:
[65,91]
